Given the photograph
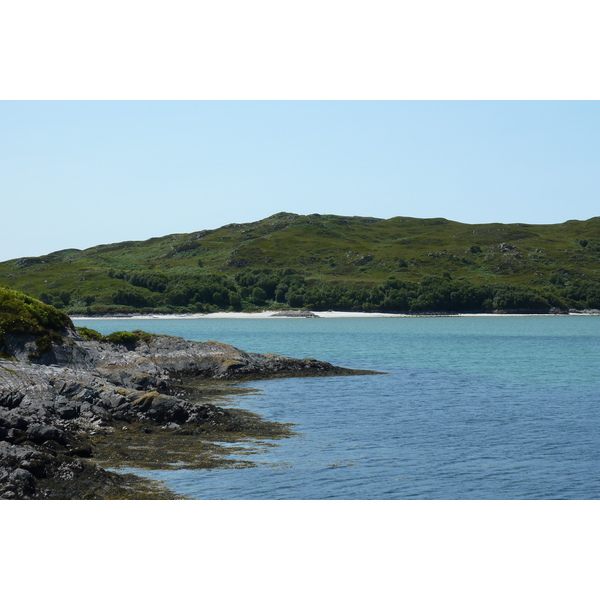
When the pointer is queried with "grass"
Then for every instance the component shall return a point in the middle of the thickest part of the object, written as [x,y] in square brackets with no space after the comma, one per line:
[21,315]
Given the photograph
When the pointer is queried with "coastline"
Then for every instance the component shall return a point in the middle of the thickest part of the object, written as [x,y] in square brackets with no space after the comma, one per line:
[82,408]
[320,314]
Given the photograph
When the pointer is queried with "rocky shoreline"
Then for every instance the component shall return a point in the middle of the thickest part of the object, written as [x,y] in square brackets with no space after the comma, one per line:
[138,400]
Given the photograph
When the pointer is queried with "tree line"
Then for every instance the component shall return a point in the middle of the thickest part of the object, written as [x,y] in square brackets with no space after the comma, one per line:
[254,289]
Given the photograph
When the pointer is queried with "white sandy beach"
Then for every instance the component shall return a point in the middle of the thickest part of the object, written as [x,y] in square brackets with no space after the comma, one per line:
[238,315]
[323,314]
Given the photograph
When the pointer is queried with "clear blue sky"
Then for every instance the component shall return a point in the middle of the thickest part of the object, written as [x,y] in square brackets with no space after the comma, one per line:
[77,174]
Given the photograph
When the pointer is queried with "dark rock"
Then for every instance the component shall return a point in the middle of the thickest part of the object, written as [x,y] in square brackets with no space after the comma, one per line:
[16,422]
[41,433]
[11,399]
[50,407]
[35,464]
[53,446]
[168,409]
[100,412]
[16,436]
[22,481]
[66,412]
[83,451]
[307,314]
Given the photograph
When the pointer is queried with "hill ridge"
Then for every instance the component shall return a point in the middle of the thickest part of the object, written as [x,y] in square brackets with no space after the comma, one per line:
[323,261]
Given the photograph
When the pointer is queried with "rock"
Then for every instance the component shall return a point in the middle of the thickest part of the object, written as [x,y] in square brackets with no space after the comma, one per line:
[16,436]
[83,451]
[296,313]
[100,412]
[52,406]
[42,433]
[21,481]
[12,399]
[66,412]
[16,422]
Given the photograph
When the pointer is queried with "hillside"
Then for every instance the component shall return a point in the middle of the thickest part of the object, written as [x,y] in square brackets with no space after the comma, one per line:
[323,262]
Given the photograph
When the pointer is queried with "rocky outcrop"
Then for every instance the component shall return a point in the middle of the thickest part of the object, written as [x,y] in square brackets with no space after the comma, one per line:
[52,406]
[307,314]
[162,358]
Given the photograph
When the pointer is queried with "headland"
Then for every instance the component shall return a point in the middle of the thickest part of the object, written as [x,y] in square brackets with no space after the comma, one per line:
[85,403]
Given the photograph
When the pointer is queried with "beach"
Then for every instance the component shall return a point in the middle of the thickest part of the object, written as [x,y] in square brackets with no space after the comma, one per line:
[240,315]
[321,314]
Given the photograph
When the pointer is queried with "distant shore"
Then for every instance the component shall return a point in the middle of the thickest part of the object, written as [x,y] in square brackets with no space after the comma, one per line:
[321,314]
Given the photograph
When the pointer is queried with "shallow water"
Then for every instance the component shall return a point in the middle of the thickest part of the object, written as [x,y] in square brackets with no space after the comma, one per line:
[470,408]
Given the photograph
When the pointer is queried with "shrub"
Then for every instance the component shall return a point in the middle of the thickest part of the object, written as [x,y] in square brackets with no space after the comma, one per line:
[89,334]
[258,295]
[20,314]
[128,339]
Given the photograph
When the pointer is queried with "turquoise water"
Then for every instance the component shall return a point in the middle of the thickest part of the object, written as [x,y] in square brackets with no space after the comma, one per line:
[470,408]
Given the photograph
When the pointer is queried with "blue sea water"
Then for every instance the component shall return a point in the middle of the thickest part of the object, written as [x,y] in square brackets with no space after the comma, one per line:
[469,408]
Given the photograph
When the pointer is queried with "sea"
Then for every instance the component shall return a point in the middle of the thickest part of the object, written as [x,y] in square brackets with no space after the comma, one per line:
[466,408]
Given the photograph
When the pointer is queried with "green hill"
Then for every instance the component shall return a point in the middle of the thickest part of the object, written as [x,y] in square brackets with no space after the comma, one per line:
[323,262]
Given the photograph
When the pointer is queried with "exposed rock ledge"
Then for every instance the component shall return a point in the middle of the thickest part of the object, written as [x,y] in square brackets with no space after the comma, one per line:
[307,314]
[50,410]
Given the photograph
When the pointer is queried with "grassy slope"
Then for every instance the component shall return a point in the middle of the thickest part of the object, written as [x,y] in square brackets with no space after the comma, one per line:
[21,315]
[355,251]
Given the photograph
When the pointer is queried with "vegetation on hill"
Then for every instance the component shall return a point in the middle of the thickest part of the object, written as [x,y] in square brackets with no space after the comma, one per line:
[327,262]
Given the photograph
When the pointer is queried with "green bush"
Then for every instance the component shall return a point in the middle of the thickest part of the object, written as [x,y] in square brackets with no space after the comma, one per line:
[128,339]
[22,315]
[89,334]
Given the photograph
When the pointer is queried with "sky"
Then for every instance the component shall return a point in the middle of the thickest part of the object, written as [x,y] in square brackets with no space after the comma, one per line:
[75,174]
